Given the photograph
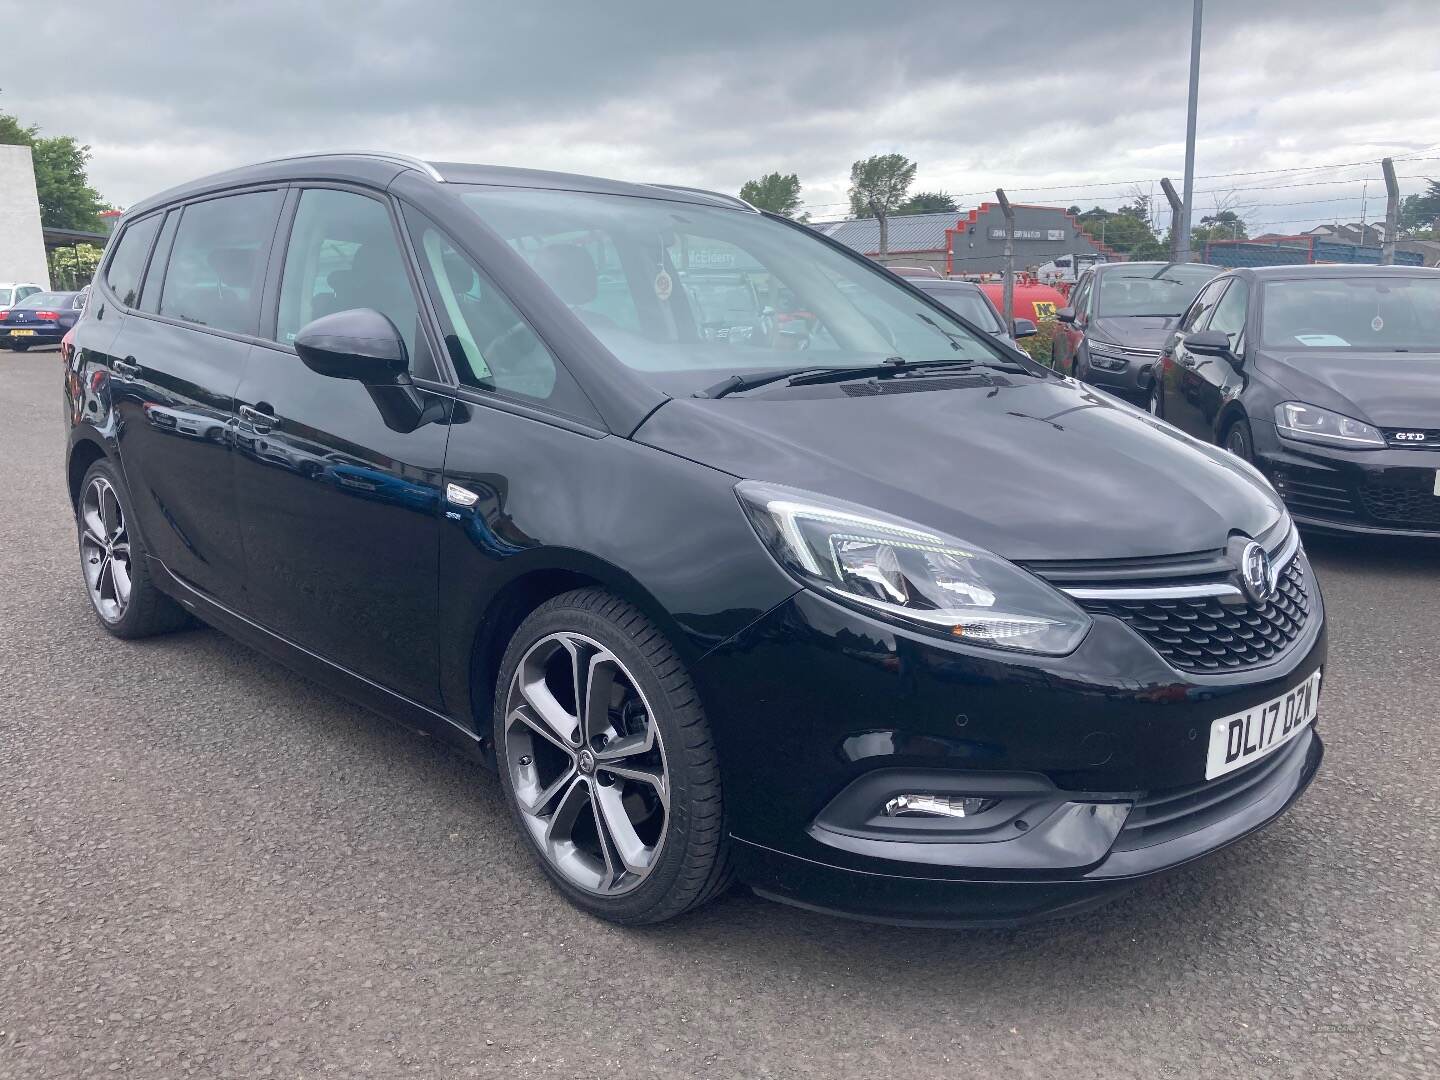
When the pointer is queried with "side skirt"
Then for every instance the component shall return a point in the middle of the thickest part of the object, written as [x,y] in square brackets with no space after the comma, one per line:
[350,684]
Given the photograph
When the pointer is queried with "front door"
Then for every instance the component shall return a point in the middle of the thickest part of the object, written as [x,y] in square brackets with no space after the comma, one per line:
[339,512]
[1195,401]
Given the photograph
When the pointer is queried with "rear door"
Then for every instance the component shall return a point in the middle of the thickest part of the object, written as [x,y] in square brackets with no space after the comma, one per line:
[338,510]
[175,366]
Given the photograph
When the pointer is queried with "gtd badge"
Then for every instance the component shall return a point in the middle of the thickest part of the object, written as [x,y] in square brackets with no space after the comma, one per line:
[1409,436]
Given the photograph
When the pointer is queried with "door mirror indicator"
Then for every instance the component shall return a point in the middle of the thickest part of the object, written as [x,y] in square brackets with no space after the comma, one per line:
[1066,315]
[359,344]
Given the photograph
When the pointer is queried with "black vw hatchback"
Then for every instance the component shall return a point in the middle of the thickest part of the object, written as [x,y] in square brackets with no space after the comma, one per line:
[1328,379]
[738,556]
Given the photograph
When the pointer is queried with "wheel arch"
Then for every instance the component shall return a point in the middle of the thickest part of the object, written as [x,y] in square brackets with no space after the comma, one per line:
[84,452]
[1231,412]
[545,576]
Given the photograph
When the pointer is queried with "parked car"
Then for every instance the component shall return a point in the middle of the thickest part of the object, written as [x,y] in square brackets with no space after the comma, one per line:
[42,318]
[969,301]
[833,624]
[1328,379]
[13,292]
[1120,316]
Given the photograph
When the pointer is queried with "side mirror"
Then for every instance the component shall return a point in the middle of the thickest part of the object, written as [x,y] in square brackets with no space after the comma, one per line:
[1024,328]
[359,344]
[1066,314]
[1209,343]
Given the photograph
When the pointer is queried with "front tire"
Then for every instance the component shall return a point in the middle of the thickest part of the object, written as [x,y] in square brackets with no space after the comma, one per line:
[1239,441]
[113,563]
[607,763]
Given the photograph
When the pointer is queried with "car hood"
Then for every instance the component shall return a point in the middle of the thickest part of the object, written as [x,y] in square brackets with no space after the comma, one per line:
[1042,469]
[1388,389]
[1134,331]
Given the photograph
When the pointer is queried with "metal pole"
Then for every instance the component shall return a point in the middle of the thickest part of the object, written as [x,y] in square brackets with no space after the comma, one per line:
[1392,212]
[1008,296]
[1183,253]
[1175,207]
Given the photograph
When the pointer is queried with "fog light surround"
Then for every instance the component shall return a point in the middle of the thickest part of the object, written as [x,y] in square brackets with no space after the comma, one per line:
[944,806]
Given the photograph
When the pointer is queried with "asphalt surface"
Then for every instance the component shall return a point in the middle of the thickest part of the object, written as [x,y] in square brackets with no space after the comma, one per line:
[210,867]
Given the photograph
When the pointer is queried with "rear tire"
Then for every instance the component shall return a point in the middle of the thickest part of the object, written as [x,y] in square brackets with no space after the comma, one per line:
[612,777]
[113,561]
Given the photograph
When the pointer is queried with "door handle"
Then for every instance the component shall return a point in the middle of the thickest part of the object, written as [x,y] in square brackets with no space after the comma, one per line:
[262,419]
[126,369]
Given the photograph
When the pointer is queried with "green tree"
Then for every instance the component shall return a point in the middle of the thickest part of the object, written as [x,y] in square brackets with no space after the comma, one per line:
[928,202]
[878,185]
[73,267]
[1420,213]
[1221,225]
[777,192]
[1123,231]
[67,201]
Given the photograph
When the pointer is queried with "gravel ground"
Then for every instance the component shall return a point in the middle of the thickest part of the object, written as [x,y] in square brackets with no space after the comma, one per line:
[209,867]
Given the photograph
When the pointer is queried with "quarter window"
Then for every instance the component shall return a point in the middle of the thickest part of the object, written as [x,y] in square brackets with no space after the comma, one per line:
[490,343]
[342,255]
[123,272]
[217,264]
[155,275]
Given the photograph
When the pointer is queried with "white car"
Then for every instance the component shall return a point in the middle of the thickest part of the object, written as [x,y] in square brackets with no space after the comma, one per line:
[12,292]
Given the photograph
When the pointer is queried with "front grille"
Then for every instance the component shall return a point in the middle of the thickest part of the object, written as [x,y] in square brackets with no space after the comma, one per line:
[1162,816]
[1205,635]
[1402,505]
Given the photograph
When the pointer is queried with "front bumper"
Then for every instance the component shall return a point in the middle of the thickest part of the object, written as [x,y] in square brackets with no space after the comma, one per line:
[816,698]
[1365,492]
[1133,380]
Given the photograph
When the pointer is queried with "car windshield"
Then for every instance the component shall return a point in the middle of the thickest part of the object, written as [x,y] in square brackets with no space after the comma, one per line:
[690,294]
[45,300]
[1361,312]
[967,302]
[1150,288]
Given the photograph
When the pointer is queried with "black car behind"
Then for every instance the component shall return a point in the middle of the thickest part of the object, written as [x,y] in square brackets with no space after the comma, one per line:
[1119,318]
[1327,378]
[40,319]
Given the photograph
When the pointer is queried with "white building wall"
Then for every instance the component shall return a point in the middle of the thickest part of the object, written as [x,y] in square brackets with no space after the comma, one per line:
[22,245]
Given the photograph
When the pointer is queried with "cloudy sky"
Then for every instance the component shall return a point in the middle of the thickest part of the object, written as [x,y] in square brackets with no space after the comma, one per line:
[1060,102]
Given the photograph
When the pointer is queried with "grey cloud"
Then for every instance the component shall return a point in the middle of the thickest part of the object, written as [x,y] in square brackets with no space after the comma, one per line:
[1029,96]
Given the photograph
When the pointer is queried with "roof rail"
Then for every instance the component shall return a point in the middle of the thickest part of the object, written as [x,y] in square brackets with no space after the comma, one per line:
[397,159]
[734,200]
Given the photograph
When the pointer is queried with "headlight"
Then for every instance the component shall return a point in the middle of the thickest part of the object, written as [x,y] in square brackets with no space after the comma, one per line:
[1306,423]
[912,574]
[1107,357]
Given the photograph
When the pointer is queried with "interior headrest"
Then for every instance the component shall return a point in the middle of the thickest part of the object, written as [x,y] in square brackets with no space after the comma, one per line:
[233,266]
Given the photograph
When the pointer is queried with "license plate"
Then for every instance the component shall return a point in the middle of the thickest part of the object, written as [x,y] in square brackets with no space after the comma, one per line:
[22,333]
[1236,741]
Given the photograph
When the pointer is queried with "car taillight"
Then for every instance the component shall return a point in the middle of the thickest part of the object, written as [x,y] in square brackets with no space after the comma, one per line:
[5,314]
[47,316]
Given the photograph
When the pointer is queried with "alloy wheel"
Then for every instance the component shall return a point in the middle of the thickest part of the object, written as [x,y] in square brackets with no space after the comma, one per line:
[587,764]
[105,549]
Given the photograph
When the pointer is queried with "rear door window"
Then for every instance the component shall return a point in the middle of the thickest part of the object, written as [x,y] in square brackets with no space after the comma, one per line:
[123,271]
[217,264]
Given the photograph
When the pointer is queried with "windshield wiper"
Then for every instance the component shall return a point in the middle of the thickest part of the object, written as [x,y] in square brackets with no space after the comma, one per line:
[735,383]
[899,366]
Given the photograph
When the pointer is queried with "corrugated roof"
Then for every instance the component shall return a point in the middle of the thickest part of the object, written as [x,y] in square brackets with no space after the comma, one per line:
[908,232]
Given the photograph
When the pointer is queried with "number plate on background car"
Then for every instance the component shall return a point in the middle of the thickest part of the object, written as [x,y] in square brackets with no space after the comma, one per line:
[1236,741]
[22,333]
